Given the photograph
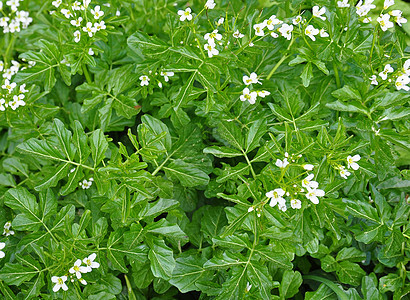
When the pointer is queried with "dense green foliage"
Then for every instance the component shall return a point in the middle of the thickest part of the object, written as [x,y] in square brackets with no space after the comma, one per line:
[146,156]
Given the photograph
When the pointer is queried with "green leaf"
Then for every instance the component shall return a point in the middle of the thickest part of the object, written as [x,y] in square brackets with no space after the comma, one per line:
[350,273]
[189,175]
[161,258]
[213,222]
[290,284]
[222,151]
[148,45]
[182,96]
[347,93]
[256,131]
[231,133]
[351,254]
[16,274]
[307,74]
[99,146]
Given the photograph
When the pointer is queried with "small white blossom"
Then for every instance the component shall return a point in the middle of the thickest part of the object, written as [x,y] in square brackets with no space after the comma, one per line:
[210,4]
[3,104]
[308,182]
[319,12]
[60,283]
[86,3]
[271,22]
[90,51]
[86,184]
[274,35]
[250,209]
[7,227]
[89,29]
[388,3]
[282,164]
[275,196]
[185,14]
[248,287]
[311,31]
[297,20]
[352,161]
[211,37]
[56,3]
[295,204]
[384,22]
[323,33]
[342,4]
[9,85]
[77,36]
[313,194]
[76,5]
[82,280]
[210,47]
[253,78]
[249,96]
[263,94]
[99,26]
[90,263]
[97,12]
[401,83]
[238,35]
[66,13]
[373,79]
[397,17]
[77,269]
[2,254]
[167,75]
[343,172]
[144,80]
[220,21]
[286,31]
[259,29]
[76,23]
[308,167]
[387,69]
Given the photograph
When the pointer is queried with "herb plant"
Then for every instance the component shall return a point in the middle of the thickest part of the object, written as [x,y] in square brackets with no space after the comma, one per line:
[227,149]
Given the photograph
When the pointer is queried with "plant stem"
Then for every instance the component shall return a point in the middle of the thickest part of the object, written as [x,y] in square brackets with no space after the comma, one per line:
[280,61]
[336,75]
[86,74]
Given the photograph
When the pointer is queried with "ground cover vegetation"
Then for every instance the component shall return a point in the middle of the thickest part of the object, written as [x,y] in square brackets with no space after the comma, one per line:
[205,149]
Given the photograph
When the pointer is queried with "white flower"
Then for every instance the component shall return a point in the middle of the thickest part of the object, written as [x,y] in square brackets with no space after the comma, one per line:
[397,17]
[271,22]
[343,3]
[309,183]
[387,69]
[77,36]
[97,12]
[351,161]
[77,269]
[343,172]
[2,254]
[274,35]
[89,29]
[286,31]
[308,167]
[263,94]
[90,51]
[238,35]
[56,3]
[373,78]
[275,196]
[90,263]
[323,33]
[185,14]
[76,5]
[384,22]
[144,80]
[86,3]
[3,105]
[248,287]
[211,49]
[9,86]
[401,82]
[312,194]
[3,21]
[253,78]
[99,26]
[13,4]
[86,184]
[210,4]
[76,23]
[250,209]
[297,20]
[66,13]
[220,21]
[166,75]
[7,226]
[210,37]
[318,12]
[282,164]
[388,3]
[249,96]
[60,283]
[259,29]
[117,13]
[82,280]
[295,204]
[362,9]
[311,31]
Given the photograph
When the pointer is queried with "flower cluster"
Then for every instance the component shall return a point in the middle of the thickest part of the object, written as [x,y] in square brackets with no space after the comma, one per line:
[78,269]
[12,95]
[210,46]
[12,19]
[351,164]
[247,94]
[7,229]
[77,13]
[401,77]
[307,187]
[86,184]
[145,78]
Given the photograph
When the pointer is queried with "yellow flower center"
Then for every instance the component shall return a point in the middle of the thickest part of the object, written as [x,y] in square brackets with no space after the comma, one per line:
[186,13]
[60,281]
